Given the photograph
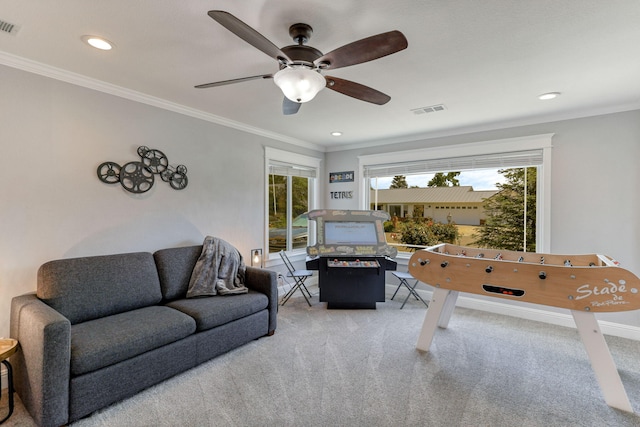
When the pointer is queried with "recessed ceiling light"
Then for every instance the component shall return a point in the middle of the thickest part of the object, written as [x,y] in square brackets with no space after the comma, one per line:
[336,133]
[549,95]
[98,42]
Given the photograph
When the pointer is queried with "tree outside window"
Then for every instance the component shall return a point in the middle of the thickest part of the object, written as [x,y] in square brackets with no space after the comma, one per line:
[511,213]
[288,202]
[399,181]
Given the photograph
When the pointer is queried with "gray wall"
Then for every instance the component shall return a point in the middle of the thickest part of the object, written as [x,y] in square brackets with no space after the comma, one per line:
[53,136]
[595,200]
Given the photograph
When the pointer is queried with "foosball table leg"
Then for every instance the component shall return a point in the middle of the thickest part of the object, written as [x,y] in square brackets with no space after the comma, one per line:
[601,361]
[447,310]
[440,309]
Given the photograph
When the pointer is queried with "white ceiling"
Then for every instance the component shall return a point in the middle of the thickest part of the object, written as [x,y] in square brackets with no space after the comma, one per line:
[486,61]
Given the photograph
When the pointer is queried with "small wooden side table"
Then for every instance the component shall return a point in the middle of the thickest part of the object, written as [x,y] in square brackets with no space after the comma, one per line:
[8,346]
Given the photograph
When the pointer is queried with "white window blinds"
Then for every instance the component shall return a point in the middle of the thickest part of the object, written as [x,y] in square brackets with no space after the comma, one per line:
[454,164]
[286,169]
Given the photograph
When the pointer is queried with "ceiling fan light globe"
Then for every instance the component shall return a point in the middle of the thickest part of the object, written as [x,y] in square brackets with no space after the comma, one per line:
[299,84]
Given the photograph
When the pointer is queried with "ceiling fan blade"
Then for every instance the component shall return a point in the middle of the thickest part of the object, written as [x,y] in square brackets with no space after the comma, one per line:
[228,82]
[289,107]
[356,90]
[364,50]
[248,34]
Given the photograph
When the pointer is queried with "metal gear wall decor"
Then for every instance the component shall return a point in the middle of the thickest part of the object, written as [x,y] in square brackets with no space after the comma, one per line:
[138,177]
[109,172]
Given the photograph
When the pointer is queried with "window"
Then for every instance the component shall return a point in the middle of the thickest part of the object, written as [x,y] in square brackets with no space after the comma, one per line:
[396,210]
[290,192]
[503,154]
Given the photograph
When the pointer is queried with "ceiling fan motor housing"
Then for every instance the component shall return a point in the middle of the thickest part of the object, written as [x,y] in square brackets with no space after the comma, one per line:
[299,54]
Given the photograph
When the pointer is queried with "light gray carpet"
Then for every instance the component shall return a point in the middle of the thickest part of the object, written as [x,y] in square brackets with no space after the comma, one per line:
[360,368]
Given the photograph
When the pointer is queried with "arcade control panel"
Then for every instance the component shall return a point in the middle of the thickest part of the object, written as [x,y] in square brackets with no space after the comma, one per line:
[353,263]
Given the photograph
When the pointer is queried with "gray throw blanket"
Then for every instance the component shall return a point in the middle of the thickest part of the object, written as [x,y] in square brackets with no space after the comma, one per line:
[219,270]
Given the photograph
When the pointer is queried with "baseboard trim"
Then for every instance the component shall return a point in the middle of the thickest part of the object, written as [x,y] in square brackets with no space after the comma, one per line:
[528,313]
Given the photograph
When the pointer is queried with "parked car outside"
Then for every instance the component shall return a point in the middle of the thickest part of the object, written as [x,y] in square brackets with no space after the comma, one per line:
[299,235]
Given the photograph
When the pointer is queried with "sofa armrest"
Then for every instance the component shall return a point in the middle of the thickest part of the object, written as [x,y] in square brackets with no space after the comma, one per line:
[265,281]
[42,363]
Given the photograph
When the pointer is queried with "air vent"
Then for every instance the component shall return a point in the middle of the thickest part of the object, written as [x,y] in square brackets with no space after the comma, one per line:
[430,109]
[8,28]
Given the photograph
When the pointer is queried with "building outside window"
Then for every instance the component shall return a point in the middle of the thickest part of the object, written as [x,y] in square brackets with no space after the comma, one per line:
[428,202]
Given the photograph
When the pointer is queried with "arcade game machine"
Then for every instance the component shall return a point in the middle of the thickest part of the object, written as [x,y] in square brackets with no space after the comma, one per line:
[351,255]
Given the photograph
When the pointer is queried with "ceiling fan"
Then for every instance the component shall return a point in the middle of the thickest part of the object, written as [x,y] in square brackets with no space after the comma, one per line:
[300,77]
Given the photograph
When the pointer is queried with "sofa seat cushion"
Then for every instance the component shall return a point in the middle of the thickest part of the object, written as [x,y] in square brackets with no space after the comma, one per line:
[109,340]
[213,311]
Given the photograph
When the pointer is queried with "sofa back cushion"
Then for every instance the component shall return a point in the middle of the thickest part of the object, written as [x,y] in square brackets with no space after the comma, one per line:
[88,288]
[175,266]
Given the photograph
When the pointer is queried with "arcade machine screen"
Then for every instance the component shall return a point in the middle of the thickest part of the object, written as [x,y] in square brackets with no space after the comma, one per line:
[350,232]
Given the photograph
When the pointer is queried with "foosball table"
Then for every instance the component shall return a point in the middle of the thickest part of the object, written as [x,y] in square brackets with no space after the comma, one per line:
[584,284]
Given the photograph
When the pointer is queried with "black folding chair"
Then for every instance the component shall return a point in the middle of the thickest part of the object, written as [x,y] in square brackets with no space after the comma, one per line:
[299,276]
[404,277]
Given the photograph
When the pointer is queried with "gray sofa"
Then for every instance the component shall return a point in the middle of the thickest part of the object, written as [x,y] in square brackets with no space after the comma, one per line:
[100,329]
